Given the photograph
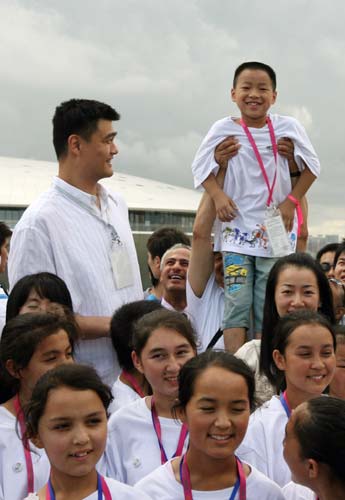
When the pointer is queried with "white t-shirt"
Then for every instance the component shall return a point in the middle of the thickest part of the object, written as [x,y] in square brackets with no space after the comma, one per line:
[293,491]
[123,395]
[64,232]
[13,473]
[118,491]
[263,443]
[250,353]
[3,305]
[132,449]
[245,184]
[206,313]
[161,484]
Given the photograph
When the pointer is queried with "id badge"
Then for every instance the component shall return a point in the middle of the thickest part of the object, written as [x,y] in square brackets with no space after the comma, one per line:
[276,232]
[121,266]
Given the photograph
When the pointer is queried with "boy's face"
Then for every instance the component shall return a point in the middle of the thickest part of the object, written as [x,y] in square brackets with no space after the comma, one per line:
[254,95]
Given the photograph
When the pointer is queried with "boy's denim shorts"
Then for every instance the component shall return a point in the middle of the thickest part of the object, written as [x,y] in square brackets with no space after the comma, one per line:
[245,278]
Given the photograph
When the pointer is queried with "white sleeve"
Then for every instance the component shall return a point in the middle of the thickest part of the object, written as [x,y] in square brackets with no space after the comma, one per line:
[304,150]
[30,253]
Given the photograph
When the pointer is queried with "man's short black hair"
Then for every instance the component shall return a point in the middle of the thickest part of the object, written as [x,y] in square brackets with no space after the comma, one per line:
[330,247]
[256,65]
[78,116]
[5,232]
[163,239]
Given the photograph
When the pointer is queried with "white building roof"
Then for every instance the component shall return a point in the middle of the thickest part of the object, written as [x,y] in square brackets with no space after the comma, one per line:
[23,180]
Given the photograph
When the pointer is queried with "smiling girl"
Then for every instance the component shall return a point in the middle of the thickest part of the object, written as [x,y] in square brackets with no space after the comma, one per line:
[67,416]
[31,344]
[303,364]
[216,393]
[143,435]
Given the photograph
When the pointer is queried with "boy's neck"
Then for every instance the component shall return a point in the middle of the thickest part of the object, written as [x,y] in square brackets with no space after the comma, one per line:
[252,122]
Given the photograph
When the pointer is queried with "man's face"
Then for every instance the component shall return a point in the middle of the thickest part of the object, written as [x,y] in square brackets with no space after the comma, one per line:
[174,272]
[97,153]
[339,270]
[326,262]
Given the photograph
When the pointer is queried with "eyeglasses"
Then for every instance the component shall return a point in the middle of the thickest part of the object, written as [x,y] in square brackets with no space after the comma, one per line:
[326,266]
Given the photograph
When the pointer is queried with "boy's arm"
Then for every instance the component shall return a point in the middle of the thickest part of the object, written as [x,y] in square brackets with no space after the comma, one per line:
[225,207]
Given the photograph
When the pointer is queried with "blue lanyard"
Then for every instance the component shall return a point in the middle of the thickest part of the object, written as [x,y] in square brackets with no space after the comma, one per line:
[285,403]
[101,488]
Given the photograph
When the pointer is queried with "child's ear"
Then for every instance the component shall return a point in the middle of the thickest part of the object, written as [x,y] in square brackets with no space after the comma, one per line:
[233,94]
[278,359]
[313,468]
[137,362]
[12,370]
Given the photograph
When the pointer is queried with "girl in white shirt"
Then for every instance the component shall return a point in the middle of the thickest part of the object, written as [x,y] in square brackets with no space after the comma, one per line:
[67,416]
[144,434]
[303,362]
[216,393]
[31,344]
[314,448]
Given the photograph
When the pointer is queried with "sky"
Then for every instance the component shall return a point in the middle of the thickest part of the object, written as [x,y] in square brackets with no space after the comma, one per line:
[167,67]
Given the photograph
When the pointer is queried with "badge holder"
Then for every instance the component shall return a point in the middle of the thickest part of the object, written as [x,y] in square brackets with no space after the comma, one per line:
[121,266]
[276,232]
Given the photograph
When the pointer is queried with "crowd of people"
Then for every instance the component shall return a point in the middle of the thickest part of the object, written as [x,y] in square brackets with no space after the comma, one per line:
[226,378]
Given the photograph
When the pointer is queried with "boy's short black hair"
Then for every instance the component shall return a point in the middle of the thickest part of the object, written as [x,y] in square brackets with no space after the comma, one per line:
[78,116]
[256,65]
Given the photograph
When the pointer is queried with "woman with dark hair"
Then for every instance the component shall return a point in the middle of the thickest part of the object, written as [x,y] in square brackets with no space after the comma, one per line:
[216,395]
[295,282]
[314,449]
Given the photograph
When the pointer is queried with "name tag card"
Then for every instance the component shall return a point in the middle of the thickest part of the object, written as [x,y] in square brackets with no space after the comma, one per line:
[121,266]
[277,234]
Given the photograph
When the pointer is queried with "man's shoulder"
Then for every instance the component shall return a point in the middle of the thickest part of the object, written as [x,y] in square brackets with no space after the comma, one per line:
[39,209]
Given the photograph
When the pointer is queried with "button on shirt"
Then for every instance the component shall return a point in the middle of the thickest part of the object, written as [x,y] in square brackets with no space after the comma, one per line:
[65,233]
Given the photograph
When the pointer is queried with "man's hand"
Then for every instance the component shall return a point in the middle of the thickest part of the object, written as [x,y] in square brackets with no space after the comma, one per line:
[287,210]
[226,150]
[225,207]
[286,148]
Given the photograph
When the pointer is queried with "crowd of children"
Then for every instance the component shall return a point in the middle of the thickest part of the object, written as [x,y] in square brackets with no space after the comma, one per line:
[183,421]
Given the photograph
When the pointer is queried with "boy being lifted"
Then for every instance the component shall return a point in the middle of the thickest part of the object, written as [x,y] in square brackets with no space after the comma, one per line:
[257,200]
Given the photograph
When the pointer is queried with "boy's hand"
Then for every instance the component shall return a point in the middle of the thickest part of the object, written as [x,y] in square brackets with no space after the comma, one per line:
[287,210]
[225,207]
[286,148]
[226,150]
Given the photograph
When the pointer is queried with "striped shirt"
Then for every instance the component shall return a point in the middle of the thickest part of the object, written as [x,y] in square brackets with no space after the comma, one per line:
[65,233]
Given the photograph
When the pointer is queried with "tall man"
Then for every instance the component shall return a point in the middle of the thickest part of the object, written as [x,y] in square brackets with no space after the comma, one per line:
[80,231]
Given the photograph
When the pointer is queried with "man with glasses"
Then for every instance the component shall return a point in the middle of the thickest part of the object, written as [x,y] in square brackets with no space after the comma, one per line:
[325,257]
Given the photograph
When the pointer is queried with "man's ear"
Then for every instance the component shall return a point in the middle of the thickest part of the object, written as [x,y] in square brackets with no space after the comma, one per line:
[73,143]
[278,359]
[137,362]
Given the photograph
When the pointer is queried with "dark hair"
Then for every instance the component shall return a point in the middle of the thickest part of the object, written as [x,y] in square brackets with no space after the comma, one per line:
[5,232]
[162,318]
[271,317]
[283,330]
[73,376]
[330,247]
[122,326]
[222,359]
[320,431]
[20,338]
[78,116]
[256,65]
[46,285]
[339,251]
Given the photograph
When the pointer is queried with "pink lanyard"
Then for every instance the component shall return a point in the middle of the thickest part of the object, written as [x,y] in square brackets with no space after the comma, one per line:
[102,488]
[132,380]
[187,487]
[259,159]
[28,460]
[158,431]
[285,403]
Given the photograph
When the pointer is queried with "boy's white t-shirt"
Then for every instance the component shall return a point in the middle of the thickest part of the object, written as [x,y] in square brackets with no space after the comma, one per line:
[294,491]
[244,181]
[206,312]
[123,395]
[263,443]
[132,449]
[118,491]
[13,473]
[161,484]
